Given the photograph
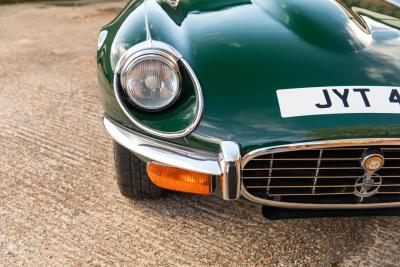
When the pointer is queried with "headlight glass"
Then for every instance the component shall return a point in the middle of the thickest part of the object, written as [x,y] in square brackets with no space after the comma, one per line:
[151,82]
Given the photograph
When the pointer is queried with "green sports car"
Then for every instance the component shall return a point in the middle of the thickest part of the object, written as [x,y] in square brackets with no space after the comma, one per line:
[291,104]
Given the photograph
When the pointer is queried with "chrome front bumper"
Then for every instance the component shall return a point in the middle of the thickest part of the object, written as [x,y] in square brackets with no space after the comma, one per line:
[224,165]
[227,164]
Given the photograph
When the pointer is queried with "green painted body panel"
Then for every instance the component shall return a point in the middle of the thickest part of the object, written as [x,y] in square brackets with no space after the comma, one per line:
[124,32]
[243,51]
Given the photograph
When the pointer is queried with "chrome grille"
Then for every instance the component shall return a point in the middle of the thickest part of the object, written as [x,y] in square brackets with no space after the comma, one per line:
[320,176]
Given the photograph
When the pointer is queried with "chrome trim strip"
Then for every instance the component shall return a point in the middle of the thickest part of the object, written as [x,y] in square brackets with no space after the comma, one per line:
[230,163]
[317,145]
[163,152]
[152,47]
[290,205]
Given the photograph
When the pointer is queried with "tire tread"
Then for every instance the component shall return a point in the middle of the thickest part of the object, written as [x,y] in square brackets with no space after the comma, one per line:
[132,178]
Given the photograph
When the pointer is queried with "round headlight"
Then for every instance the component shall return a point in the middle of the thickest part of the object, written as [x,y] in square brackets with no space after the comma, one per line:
[151,82]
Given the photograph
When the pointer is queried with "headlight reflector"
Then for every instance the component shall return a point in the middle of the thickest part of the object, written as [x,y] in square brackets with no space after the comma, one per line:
[151,82]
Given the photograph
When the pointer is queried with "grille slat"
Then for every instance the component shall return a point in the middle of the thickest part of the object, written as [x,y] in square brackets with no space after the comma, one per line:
[310,194]
[321,159]
[316,186]
[300,177]
[331,194]
[322,168]
[312,177]
[308,168]
[313,159]
[320,176]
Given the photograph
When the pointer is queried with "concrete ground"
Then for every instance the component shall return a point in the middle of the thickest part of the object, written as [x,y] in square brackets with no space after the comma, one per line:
[59,204]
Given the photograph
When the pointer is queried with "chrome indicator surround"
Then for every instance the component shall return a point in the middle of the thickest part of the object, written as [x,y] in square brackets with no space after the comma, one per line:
[317,145]
[152,47]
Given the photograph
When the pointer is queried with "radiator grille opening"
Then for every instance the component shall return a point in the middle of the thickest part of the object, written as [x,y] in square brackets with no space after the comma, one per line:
[320,176]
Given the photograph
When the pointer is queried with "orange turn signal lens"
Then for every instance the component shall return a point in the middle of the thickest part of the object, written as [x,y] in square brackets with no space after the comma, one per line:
[178,179]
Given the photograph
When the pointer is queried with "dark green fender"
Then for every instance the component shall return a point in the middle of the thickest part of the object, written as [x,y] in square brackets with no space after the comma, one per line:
[242,51]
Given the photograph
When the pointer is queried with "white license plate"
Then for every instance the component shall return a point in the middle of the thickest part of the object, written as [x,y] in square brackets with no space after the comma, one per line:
[338,100]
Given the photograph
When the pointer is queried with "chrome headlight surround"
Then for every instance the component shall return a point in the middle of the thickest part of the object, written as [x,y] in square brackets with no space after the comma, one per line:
[128,68]
[158,49]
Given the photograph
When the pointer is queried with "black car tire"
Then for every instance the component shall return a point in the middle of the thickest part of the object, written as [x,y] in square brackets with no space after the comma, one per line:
[132,178]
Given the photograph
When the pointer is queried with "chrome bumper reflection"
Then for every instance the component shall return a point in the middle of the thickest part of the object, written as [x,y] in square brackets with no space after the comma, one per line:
[163,152]
[225,165]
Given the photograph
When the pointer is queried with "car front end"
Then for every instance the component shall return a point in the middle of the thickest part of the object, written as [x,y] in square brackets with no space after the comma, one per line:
[289,104]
